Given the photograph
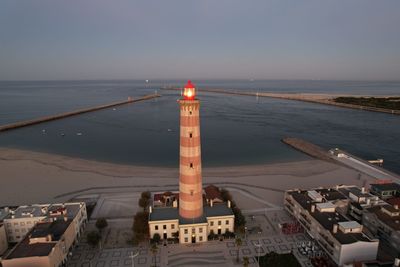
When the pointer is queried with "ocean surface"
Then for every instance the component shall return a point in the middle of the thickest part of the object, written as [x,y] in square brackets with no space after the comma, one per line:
[236,130]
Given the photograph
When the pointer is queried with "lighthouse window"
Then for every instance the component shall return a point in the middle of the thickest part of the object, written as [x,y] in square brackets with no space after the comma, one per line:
[190,112]
[190,135]
[191,165]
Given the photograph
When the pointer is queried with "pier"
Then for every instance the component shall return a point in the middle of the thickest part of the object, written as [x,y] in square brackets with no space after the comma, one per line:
[307,148]
[20,124]
[311,98]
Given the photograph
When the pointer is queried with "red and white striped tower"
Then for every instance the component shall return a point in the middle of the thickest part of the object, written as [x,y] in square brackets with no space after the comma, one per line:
[190,179]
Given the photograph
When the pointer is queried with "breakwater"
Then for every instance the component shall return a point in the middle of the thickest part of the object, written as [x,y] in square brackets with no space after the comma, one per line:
[20,124]
[311,98]
[307,148]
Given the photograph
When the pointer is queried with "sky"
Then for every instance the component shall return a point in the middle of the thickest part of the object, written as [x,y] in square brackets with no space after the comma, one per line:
[204,39]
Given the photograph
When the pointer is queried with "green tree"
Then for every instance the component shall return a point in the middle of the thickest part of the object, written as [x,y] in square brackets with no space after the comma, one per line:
[101,223]
[238,242]
[246,261]
[156,238]
[144,203]
[140,226]
[93,238]
[226,195]
[145,195]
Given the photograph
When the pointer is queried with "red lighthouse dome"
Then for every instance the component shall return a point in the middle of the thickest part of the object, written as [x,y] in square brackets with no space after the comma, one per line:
[189,91]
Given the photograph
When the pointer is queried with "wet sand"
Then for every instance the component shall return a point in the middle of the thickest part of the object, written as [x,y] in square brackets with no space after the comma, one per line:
[33,177]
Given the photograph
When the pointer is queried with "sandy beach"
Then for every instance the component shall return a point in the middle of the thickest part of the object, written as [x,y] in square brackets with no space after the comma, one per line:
[33,177]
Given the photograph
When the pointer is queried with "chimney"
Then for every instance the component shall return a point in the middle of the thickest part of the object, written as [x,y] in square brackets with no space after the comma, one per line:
[211,203]
[150,209]
[229,203]
[312,208]
[396,207]
[335,227]
[368,201]
[363,190]
[396,262]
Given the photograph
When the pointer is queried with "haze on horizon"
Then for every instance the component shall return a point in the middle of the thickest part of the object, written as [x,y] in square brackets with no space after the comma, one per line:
[276,39]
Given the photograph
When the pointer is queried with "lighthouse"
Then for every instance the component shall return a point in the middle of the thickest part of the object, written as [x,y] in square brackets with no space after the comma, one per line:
[190,177]
[182,214]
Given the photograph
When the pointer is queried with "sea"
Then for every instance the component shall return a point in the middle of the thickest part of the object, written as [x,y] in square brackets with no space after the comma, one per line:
[235,130]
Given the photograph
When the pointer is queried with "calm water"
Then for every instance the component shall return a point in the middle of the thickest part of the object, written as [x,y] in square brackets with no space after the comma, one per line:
[235,130]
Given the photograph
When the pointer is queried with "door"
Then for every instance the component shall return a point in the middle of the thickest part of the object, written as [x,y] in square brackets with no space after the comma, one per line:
[193,239]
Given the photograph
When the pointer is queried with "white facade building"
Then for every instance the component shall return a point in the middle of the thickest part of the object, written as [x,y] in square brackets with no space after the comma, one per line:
[21,220]
[318,212]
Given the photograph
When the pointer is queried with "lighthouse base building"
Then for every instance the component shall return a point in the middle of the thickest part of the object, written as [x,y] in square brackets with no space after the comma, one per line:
[164,220]
[191,214]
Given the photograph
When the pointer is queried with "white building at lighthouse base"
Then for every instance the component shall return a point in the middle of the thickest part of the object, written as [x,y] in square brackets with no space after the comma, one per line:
[217,219]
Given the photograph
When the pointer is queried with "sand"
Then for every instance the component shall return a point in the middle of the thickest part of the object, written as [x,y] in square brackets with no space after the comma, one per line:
[32,177]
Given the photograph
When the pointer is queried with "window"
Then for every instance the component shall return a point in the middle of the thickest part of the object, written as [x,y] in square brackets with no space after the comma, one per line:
[200,238]
[23,230]
[186,239]
[191,192]
[8,224]
[164,227]
[190,135]
[172,226]
[190,112]
[15,224]
[227,222]
[200,230]
[28,222]
[211,223]
[219,222]
[17,236]
[226,230]
[191,165]
[16,230]
[193,230]
[22,223]
[156,227]
[186,231]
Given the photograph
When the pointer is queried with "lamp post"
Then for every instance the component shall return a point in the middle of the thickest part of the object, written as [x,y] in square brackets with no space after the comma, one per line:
[133,256]
[259,250]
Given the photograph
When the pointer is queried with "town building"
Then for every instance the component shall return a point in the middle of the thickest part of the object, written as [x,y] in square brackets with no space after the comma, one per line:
[21,220]
[322,213]
[385,190]
[3,236]
[186,214]
[384,222]
[47,244]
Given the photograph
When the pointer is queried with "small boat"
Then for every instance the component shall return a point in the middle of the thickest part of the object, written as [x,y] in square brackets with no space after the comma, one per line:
[169,130]
[62,134]
[44,131]
[79,134]
[114,109]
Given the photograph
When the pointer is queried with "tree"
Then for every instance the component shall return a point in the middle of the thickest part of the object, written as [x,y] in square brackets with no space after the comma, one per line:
[154,250]
[238,242]
[144,202]
[246,261]
[140,226]
[101,223]
[93,238]
[145,195]
[226,195]
[156,238]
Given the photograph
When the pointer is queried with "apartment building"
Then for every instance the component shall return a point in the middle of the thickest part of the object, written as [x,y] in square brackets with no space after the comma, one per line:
[20,221]
[3,236]
[47,244]
[322,214]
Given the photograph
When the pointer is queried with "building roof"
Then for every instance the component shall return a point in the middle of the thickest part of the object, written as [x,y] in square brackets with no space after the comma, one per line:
[394,201]
[391,221]
[355,191]
[216,210]
[386,187]
[25,249]
[3,214]
[30,211]
[328,219]
[164,214]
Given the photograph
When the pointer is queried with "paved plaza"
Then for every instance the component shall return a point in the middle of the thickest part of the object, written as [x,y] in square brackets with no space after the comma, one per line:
[213,253]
